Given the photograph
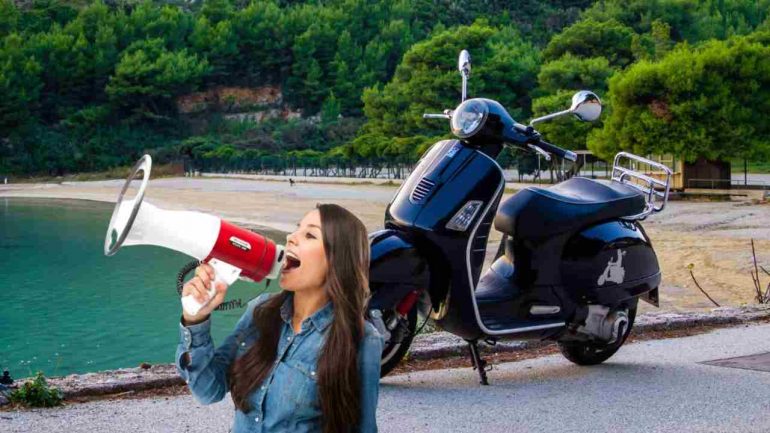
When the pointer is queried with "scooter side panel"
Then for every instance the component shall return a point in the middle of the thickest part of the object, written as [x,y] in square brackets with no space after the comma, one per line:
[609,262]
[396,268]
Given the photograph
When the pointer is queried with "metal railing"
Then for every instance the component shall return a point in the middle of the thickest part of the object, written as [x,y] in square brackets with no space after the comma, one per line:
[647,185]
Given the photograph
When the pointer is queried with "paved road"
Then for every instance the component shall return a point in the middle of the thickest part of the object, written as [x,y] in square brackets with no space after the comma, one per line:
[653,386]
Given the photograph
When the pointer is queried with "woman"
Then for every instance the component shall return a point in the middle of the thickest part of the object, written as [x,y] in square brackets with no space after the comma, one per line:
[304,359]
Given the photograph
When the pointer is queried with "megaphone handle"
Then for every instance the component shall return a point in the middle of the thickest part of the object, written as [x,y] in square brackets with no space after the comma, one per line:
[223,273]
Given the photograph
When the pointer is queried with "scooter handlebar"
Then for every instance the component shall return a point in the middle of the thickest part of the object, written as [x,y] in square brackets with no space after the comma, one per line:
[556,150]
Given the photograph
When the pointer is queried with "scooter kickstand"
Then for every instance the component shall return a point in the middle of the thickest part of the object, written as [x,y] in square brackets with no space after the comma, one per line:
[478,363]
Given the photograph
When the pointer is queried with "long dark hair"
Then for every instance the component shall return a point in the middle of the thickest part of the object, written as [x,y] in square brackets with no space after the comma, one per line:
[347,284]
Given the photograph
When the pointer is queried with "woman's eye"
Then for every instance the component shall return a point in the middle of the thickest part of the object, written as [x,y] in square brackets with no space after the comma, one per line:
[310,236]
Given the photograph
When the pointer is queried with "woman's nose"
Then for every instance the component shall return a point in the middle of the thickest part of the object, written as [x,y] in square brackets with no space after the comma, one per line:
[290,239]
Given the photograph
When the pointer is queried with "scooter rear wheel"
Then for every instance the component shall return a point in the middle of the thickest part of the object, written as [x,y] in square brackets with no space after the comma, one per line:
[394,351]
[590,353]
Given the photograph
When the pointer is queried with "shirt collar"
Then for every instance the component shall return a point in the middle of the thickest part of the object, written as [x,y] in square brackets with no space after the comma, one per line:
[320,319]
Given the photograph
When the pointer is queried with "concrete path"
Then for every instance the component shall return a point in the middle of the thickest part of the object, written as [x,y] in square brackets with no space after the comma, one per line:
[651,386]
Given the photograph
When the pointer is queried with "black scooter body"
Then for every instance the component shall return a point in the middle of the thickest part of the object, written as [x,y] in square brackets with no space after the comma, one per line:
[560,269]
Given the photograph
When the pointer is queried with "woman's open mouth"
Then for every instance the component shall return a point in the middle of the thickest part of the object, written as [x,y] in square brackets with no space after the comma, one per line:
[291,262]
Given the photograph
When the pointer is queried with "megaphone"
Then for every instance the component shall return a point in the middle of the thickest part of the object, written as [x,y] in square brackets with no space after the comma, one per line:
[232,251]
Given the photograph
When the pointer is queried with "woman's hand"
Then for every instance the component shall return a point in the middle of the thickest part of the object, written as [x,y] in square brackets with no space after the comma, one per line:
[199,286]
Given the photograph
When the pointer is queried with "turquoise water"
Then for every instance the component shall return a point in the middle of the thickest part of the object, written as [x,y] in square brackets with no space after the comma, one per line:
[66,308]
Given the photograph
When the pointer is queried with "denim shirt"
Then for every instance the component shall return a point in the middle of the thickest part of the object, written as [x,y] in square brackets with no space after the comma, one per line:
[288,398]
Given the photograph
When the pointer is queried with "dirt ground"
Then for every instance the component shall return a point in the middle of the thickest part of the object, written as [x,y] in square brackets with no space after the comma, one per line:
[715,237]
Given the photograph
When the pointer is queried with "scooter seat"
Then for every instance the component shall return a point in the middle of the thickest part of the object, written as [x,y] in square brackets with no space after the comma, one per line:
[534,213]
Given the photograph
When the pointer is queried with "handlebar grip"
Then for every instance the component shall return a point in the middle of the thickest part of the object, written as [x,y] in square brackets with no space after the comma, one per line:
[558,151]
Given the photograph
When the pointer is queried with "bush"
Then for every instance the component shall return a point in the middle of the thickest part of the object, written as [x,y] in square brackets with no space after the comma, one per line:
[37,393]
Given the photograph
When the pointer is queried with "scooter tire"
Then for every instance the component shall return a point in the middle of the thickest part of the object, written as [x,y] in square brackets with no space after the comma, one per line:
[588,353]
[392,354]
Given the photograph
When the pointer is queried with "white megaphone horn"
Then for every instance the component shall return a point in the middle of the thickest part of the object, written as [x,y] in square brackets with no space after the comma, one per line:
[232,251]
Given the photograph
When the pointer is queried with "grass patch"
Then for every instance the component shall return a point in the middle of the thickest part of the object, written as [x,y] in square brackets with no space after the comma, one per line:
[36,393]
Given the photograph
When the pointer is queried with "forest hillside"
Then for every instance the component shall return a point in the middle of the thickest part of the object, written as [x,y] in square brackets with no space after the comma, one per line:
[91,85]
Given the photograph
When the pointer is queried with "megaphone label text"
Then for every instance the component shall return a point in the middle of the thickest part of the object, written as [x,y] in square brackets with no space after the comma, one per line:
[240,243]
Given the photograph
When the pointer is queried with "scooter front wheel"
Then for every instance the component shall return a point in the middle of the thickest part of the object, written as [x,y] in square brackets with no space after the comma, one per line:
[401,338]
[591,353]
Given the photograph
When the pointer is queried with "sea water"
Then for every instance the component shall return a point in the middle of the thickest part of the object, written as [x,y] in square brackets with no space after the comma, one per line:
[66,308]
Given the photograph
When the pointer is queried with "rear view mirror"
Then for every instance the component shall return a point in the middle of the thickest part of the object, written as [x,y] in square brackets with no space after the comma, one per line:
[586,106]
[464,62]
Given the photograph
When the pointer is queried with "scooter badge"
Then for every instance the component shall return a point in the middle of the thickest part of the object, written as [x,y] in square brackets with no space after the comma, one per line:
[614,271]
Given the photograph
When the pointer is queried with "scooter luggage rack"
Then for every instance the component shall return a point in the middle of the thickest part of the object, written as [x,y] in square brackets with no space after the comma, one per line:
[651,187]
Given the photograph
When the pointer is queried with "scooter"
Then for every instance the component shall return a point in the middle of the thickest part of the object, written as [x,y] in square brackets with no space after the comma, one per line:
[572,264]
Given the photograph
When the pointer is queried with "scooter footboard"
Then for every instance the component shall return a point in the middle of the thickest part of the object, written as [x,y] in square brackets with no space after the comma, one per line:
[610,262]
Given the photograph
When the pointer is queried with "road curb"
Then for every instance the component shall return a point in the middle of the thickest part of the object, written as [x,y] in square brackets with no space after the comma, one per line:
[425,347]
[442,344]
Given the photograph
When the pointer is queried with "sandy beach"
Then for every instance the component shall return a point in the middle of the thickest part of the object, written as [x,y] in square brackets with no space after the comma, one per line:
[714,236]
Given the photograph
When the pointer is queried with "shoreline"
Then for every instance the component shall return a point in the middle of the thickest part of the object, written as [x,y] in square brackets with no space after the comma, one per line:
[438,350]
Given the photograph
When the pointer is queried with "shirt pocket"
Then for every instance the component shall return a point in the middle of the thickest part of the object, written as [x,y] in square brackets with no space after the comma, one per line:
[305,386]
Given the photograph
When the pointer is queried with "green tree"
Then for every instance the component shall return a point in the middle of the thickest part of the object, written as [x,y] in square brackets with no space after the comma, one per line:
[330,110]
[40,15]
[427,81]
[711,101]
[9,17]
[77,60]
[574,73]
[313,51]
[345,85]
[661,35]
[591,38]
[689,21]
[149,21]
[216,11]
[20,84]
[148,77]
[264,44]
[216,42]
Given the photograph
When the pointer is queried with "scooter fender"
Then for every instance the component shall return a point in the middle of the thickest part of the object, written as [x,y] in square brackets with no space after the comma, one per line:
[610,262]
[396,269]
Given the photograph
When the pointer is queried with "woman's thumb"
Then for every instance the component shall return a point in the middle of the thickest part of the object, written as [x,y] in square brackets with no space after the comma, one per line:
[220,291]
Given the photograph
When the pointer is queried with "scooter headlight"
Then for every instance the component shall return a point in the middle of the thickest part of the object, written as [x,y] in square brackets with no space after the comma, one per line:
[469,118]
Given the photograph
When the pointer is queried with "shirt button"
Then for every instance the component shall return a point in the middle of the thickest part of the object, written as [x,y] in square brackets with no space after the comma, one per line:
[288,338]
[312,373]
[256,419]
[262,387]
[243,344]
